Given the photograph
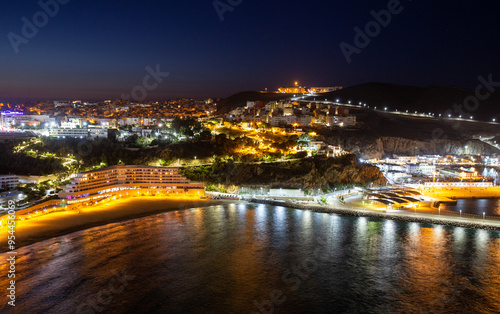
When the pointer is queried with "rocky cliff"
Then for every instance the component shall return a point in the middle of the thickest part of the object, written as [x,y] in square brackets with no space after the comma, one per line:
[308,174]
[370,147]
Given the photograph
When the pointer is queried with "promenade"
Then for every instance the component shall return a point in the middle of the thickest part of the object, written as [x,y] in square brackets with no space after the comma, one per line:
[446,218]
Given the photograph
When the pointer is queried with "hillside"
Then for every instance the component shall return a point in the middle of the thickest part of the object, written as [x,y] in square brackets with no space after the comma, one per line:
[307,174]
[240,100]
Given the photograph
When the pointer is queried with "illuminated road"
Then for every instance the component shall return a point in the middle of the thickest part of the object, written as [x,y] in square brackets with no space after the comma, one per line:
[415,114]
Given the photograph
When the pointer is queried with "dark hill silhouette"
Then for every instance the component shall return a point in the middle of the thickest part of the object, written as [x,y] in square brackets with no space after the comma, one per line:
[437,99]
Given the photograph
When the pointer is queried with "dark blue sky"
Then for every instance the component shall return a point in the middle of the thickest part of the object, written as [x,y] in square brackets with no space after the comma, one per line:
[99,49]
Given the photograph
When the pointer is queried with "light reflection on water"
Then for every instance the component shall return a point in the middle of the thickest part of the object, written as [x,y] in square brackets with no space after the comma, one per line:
[228,258]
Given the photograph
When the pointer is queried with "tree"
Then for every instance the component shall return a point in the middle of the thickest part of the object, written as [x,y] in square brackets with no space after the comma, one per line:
[304,140]
[177,124]
[132,139]
[205,136]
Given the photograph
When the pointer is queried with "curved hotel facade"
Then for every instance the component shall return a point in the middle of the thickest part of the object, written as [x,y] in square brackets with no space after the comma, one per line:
[95,184]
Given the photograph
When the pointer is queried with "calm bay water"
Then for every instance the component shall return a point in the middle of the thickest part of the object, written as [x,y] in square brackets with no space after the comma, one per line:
[239,258]
[478,206]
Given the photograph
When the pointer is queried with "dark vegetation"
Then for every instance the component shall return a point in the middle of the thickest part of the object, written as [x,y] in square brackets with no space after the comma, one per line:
[104,152]
[23,164]
[308,173]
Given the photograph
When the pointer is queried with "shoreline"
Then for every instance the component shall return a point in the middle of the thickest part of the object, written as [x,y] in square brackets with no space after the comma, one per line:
[62,223]
[424,218]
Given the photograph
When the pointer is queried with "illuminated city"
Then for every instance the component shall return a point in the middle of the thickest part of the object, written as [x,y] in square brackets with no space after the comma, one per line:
[179,158]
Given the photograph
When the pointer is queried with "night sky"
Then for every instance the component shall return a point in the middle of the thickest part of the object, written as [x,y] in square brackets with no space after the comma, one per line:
[95,50]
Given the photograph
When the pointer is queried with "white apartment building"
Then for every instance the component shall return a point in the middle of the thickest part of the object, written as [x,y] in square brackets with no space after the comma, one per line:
[421,168]
[342,121]
[151,121]
[69,133]
[303,120]
[16,119]
[69,125]
[8,181]
[406,159]
[132,121]
[386,167]
[98,133]
[277,120]
[107,123]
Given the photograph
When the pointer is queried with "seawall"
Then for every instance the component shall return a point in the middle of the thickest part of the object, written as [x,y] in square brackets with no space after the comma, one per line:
[452,221]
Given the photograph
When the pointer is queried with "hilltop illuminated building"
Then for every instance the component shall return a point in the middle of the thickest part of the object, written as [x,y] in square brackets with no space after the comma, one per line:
[319,90]
[296,89]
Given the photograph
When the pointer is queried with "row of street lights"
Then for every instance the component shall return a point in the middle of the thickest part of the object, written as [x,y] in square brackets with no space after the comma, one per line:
[430,114]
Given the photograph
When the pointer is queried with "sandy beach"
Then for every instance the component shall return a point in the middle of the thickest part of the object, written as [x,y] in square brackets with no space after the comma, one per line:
[65,222]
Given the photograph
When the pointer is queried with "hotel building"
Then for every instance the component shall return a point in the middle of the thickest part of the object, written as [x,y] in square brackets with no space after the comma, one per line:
[72,133]
[96,184]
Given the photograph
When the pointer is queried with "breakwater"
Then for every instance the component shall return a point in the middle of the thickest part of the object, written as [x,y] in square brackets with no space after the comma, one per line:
[453,221]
